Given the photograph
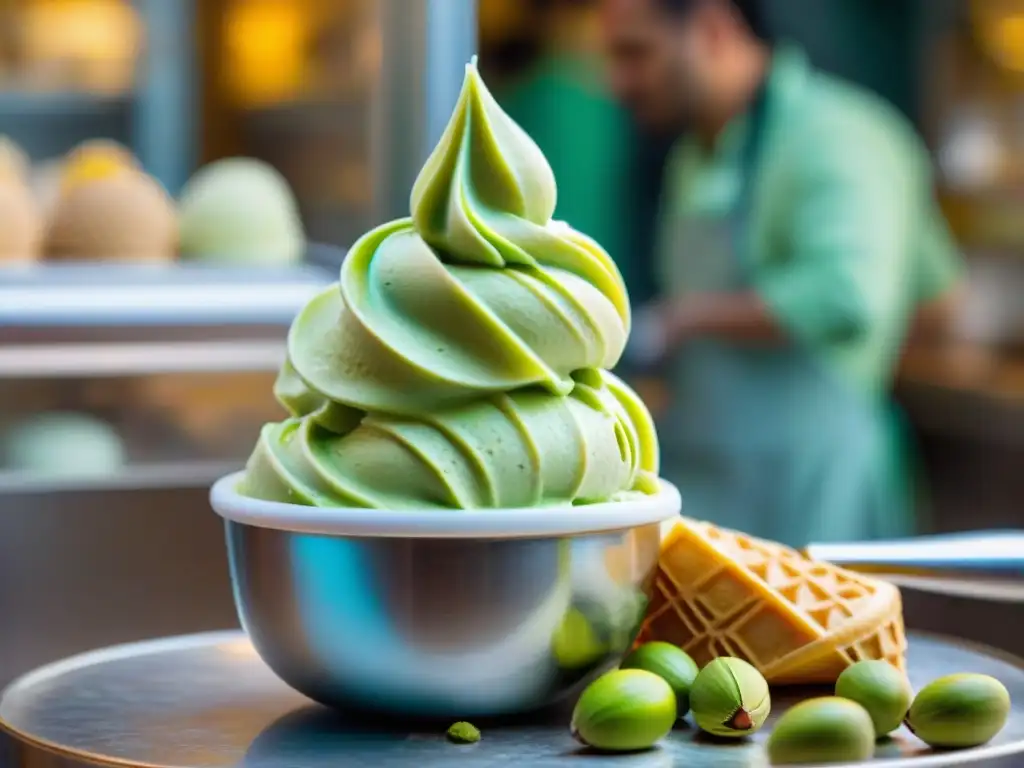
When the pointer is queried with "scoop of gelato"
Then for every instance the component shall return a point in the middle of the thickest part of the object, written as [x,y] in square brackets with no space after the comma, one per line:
[240,210]
[91,159]
[103,150]
[108,210]
[14,163]
[62,444]
[95,160]
[461,359]
[21,223]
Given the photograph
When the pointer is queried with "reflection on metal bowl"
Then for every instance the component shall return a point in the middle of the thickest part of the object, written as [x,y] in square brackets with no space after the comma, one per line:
[464,624]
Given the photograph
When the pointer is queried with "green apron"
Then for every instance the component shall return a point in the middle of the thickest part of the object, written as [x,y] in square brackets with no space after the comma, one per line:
[764,439]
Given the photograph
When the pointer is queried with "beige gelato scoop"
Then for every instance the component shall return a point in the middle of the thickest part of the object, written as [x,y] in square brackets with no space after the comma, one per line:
[14,163]
[110,210]
[21,223]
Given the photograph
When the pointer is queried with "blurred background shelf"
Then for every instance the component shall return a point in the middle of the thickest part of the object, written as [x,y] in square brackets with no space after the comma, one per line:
[125,391]
[35,105]
[97,295]
[74,361]
[165,476]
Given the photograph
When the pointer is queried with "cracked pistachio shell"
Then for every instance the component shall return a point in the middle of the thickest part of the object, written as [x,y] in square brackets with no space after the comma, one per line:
[624,711]
[825,730]
[959,711]
[881,689]
[730,698]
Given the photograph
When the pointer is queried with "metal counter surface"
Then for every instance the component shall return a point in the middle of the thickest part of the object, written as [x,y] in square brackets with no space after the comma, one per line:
[206,701]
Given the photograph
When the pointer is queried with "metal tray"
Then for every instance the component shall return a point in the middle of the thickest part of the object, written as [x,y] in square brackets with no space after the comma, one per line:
[206,701]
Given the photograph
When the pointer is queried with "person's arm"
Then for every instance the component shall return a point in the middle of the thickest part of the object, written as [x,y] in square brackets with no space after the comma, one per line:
[933,320]
[851,221]
[741,317]
[848,223]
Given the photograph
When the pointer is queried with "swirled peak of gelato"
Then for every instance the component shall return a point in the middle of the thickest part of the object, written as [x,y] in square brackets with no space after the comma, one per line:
[462,359]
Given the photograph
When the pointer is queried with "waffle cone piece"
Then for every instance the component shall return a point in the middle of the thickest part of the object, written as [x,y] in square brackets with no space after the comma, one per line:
[799,621]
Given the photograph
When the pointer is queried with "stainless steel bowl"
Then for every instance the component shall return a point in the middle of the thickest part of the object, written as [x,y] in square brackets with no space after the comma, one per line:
[456,617]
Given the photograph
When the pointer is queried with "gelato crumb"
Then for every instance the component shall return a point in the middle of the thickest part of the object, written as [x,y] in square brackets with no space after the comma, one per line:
[464,733]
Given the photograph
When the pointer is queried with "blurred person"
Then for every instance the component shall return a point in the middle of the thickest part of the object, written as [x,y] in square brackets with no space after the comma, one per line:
[562,100]
[798,238]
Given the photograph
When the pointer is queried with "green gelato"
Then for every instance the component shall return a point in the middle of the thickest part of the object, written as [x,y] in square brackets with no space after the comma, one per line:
[461,359]
[240,211]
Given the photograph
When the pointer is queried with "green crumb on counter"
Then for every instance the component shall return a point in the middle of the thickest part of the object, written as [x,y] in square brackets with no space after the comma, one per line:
[464,733]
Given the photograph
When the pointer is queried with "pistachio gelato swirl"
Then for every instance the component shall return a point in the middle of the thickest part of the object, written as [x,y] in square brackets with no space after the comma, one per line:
[461,360]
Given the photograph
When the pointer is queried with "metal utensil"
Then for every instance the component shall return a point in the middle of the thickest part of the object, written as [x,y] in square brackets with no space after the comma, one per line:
[987,565]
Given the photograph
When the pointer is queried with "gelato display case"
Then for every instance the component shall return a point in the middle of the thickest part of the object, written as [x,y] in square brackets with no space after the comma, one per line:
[74,69]
[127,388]
[124,392]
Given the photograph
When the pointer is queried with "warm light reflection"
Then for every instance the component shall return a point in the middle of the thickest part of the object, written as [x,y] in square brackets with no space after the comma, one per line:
[1009,38]
[91,43]
[266,45]
[999,27]
[499,19]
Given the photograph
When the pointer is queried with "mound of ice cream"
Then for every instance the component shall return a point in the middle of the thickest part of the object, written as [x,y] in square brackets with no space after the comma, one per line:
[241,211]
[108,209]
[14,163]
[49,177]
[460,361]
[21,222]
[62,444]
[94,160]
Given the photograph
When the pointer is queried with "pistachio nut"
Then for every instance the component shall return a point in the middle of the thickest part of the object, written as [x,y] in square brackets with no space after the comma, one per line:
[959,711]
[730,698]
[575,644]
[624,711]
[669,662]
[463,733]
[825,730]
[881,689]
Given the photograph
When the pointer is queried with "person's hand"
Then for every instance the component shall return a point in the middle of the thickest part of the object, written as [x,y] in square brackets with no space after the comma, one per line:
[683,319]
[738,318]
[658,328]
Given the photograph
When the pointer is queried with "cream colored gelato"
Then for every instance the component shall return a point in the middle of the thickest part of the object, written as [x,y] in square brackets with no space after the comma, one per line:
[240,211]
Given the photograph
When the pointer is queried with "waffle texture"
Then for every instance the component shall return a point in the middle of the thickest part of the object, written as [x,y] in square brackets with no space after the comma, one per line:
[799,621]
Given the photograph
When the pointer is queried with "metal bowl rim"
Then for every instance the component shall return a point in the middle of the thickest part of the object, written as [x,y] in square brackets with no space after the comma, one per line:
[532,522]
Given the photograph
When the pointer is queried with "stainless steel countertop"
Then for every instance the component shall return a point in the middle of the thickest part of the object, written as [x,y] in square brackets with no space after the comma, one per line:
[206,701]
